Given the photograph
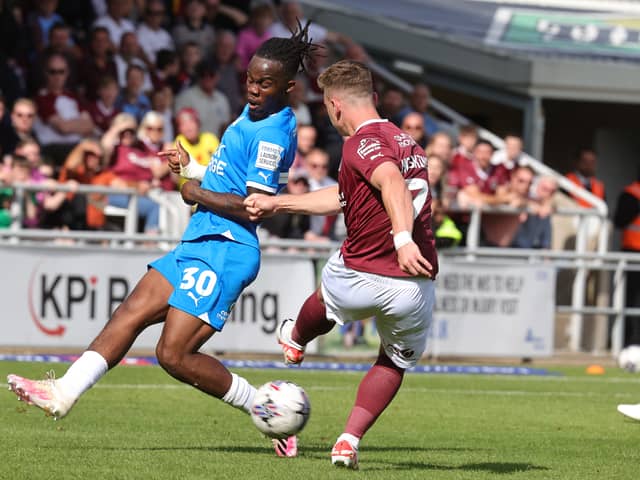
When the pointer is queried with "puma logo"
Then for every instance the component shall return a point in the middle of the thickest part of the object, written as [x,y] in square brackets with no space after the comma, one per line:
[266,176]
[195,299]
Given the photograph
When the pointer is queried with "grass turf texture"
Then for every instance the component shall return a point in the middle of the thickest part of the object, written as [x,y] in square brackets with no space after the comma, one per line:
[138,423]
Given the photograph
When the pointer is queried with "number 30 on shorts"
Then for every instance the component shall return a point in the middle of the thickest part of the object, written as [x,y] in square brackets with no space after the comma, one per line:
[204,282]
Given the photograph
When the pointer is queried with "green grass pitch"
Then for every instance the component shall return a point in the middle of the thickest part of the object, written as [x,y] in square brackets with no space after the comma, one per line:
[138,423]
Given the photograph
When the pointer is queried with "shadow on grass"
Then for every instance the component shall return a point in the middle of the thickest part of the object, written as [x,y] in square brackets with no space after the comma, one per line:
[312,452]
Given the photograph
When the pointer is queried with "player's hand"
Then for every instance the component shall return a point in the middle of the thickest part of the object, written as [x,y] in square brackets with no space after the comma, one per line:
[260,206]
[189,192]
[412,262]
[176,157]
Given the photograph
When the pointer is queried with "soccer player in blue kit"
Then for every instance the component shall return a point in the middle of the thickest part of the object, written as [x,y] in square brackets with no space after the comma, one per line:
[193,288]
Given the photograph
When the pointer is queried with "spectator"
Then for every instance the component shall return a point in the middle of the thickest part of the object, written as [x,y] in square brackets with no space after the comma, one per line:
[535,231]
[40,22]
[116,21]
[21,173]
[211,104]
[104,109]
[584,175]
[150,33]
[291,225]
[467,140]
[131,167]
[436,172]
[261,17]
[63,120]
[98,62]
[391,104]
[150,137]
[413,124]
[222,16]
[59,42]
[307,136]
[627,219]
[502,229]
[190,57]
[297,98]
[200,145]
[162,102]
[475,182]
[511,155]
[440,145]
[229,70]
[29,149]
[193,28]
[23,116]
[167,71]
[132,100]
[419,102]
[129,54]
[317,164]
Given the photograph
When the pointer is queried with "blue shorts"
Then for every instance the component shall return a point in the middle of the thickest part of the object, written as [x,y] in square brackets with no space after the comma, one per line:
[208,276]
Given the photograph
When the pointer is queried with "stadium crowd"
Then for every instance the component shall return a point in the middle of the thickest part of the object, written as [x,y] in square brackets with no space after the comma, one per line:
[91,91]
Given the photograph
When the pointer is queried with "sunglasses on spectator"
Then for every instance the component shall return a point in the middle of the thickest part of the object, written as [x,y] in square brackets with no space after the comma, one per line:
[128,131]
[56,71]
[154,129]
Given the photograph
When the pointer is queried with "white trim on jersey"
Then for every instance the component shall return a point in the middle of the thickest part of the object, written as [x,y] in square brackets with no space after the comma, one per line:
[260,186]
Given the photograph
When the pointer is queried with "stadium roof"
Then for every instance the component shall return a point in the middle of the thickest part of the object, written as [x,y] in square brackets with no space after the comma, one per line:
[566,49]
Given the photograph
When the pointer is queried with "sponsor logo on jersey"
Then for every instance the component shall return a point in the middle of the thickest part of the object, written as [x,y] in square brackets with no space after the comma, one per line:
[404,140]
[269,155]
[367,147]
[413,161]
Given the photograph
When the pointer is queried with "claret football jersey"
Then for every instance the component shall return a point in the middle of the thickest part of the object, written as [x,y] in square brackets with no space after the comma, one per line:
[369,243]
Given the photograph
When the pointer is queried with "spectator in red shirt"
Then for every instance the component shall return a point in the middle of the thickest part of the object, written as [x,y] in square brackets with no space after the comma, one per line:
[104,109]
[467,139]
[64,121]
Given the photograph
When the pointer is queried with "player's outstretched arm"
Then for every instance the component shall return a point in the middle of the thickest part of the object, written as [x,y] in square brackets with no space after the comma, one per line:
[221,203]
[321,202]
[398,203]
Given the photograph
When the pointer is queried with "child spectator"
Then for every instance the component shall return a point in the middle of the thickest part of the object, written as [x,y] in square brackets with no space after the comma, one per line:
[104,109]
[132,100]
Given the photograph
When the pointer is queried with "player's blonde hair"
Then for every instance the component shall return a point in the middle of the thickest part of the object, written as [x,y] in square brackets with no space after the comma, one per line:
[348,76]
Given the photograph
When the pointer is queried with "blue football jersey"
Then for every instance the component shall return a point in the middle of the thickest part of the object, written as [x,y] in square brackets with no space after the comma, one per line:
[251,154]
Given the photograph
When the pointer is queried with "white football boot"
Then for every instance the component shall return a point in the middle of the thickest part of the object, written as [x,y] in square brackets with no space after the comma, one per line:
[44,394]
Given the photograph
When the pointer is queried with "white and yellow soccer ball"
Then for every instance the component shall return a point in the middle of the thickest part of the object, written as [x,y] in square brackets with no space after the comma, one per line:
[629,358]
[280,409]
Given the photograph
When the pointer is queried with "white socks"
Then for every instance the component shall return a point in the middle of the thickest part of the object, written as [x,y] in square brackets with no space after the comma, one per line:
[240,394]
[353,440]
[83,374]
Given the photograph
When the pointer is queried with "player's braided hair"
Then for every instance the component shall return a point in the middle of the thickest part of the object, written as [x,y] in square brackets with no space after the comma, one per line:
[290,52]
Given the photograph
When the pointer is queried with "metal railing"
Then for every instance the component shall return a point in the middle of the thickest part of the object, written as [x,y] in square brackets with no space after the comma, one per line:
[579,260]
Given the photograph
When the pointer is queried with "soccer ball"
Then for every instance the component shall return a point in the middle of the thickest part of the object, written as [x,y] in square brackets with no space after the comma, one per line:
[280,409]
[629,358]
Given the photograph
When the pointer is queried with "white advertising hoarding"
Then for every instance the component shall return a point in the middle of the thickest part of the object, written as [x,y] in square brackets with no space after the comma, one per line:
[494,310]
[62,297]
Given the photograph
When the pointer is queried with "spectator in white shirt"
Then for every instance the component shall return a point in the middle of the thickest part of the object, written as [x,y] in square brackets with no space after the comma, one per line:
[116,20]
[151,35]
[131,53]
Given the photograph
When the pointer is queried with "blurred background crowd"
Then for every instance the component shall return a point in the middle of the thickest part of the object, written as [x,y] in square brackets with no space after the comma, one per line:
[92,90]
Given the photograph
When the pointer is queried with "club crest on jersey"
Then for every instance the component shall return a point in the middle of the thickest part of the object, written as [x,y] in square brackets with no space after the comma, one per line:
[404,140]
[367,147]
[269,155]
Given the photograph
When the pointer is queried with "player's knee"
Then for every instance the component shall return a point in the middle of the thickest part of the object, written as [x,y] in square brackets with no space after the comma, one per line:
[169,358]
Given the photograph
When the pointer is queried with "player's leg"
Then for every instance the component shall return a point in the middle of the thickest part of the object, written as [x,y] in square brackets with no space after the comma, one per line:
[146,305]
[376,391]
[310,323]
[403,318]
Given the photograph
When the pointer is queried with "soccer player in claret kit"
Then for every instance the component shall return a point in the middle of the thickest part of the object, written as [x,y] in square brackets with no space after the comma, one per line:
[386,265]
[193,288]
